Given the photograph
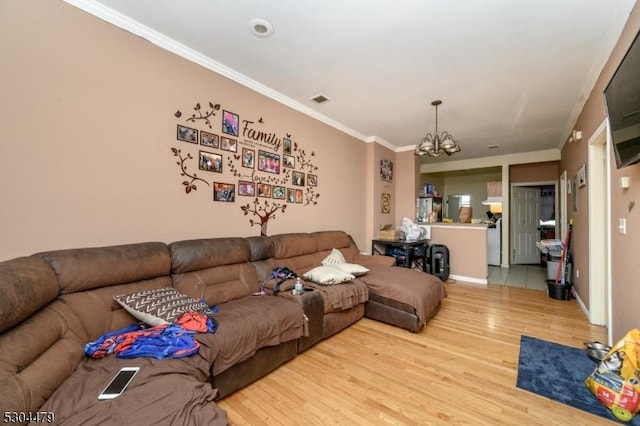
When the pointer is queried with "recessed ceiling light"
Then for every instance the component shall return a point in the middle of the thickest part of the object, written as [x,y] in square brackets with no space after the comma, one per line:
[319,98]
[261,28]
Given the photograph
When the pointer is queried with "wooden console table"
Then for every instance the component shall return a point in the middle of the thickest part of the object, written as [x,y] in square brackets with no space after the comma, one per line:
[408,247]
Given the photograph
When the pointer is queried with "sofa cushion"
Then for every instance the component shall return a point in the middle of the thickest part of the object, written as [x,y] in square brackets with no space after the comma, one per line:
[38,355]
[28,284]
[328,275]
[194,255]
[327,240]
[89,268]
[164,392]
[160,306]
[352,268]
[335,257]
[422,291]
[293,245]
[250,323]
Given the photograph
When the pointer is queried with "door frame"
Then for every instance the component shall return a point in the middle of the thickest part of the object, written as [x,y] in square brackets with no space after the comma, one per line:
[536,184]
[598,179]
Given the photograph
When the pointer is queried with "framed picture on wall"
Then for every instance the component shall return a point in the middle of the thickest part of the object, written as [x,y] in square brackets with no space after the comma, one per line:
[230,123]
[209,139]
[224,192]
[279,192]
[229,144]
[287,146]
[386,170]
[248,156]
[246,188]
[312,180]
[264,190]
[289,161]
[298,178]
[299,196]
[268,162]
[291,195]
[187,134]
[210,161]
[385,203]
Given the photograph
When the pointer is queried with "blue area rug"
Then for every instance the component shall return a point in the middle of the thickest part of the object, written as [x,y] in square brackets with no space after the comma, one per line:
[558,372]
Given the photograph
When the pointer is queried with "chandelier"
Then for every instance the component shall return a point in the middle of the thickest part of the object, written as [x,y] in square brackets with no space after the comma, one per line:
[437,143]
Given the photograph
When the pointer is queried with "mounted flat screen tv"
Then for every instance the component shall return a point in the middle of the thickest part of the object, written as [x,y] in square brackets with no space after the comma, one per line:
[622,98]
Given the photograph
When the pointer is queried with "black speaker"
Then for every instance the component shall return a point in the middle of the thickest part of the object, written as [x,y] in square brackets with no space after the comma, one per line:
[438,261]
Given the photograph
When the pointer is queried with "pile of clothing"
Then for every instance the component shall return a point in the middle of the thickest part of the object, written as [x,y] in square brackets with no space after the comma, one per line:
[173,340]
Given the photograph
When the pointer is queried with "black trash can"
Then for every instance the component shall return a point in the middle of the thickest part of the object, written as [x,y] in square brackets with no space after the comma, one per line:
[559,291]
[438,261]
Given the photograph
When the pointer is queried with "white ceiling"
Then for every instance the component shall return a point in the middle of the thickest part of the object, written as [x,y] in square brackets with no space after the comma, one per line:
[511,73]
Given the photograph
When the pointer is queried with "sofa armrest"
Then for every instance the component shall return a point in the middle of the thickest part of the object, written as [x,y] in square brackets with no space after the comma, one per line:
[371,260]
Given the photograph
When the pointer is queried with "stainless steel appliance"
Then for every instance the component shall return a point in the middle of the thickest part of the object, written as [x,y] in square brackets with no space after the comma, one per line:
[429,207]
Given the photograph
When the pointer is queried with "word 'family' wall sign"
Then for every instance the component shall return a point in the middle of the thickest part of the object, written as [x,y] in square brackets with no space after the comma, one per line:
[246,159]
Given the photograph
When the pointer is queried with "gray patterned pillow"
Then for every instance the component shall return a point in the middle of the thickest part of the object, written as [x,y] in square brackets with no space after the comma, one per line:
[160,306]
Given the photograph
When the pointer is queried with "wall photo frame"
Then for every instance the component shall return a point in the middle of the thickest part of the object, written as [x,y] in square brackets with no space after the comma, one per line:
[228,144]
[209,161]
[279,192]
[298,178]
[246,188]
[268,162]
[230,123]
[209,139]
[386,170]
[264,190]
[289,161]
[187,134]
[385,203]
[248,157]
[224,192]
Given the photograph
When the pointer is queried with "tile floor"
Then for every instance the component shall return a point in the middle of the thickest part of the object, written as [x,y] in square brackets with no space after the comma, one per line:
[525,276]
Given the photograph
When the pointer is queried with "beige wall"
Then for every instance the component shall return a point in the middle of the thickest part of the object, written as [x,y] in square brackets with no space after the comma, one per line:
[87,125]
[534,172]
[624,248]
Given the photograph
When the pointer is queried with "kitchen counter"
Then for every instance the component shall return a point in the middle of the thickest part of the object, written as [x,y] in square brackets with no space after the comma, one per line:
[467,244]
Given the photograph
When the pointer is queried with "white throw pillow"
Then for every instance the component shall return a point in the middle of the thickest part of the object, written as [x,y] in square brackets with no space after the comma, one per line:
[334,258]
[161,305]
[328,275]
[352,268]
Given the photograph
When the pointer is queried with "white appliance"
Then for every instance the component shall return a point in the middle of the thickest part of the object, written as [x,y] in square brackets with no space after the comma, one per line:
[494,240]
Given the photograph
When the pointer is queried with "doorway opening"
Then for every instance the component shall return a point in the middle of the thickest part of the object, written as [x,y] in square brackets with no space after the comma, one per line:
[534,207]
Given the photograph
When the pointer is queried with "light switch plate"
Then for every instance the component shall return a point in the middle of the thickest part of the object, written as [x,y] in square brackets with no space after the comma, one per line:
[622,226]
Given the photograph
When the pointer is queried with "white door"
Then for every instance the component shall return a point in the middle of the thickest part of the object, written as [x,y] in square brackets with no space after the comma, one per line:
[525,219]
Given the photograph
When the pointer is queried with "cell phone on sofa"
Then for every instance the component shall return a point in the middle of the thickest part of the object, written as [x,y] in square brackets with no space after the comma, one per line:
[119,383]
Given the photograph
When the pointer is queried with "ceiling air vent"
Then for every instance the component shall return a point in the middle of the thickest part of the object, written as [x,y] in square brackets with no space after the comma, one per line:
[319,98]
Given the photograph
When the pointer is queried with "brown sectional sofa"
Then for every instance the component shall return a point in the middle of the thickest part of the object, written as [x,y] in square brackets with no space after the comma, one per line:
[52,303]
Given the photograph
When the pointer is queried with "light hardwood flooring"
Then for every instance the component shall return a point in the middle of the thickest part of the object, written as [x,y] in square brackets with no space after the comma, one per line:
[460,369]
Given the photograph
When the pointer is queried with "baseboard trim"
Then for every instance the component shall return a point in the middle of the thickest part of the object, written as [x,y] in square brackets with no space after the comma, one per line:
[469,279]
[582,306]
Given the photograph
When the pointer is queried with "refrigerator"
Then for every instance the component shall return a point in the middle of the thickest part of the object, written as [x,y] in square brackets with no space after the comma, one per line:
[427,207]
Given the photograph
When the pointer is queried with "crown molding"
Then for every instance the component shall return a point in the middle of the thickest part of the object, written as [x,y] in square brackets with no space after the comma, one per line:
[498,160]
[119,20]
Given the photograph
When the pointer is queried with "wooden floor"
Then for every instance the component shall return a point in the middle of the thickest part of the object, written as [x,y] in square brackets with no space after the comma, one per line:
[460,369]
